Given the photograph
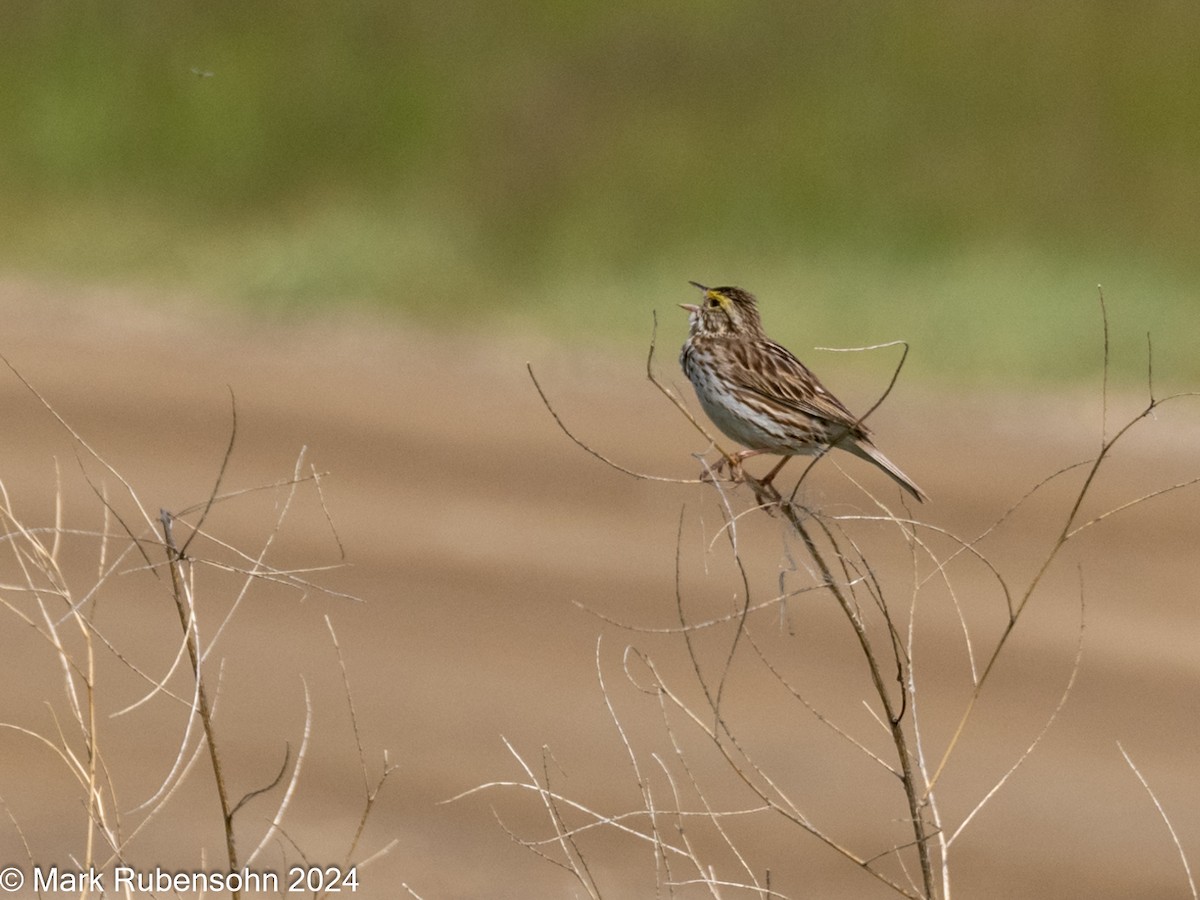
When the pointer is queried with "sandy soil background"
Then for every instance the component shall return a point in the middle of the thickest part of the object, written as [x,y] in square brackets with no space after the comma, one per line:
[488,554]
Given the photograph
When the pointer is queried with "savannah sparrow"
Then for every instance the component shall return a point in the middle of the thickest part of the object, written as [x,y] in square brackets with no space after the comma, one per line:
[760,395]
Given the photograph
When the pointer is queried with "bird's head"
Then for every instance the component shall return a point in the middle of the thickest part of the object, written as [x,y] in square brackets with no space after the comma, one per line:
[724,311]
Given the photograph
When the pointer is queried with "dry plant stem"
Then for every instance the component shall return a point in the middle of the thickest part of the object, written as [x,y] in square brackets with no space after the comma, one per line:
[714,699]
[1187,869]
[769,500]
[371,794]
[175,563]
[742,765]
[679,404]
[723,737]
[895,716]
[600,456]
[817,457]
[45,562]
[1068,531]
[843,558]
[563,836]
[79,439]
[38,559]
[712,814]
[95,813]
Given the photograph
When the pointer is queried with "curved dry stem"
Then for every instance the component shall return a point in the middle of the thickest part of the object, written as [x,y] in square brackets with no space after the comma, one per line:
[1187,869]
[159,685]
[643,784]
[590,450]
[190,721]
[253,576]
[564,837]
[79,439]
[755,778]
[187,620]
[941,568]
[777,600]
[216,488]
[167,794]
[266,788]
[839,564]
[276,825]
[46,603]
[1134,502]
[893,713]
[714,883]
[1067,532]
[314,476]
[1050,720]
[861,420]
[674,398]
[370,793]
[816,713]
[713,697]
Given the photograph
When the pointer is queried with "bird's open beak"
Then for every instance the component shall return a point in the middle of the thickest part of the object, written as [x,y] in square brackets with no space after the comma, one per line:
[692,308]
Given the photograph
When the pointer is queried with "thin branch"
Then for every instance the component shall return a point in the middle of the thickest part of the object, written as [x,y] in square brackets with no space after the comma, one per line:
[216,488]
[79,439]
[895,372]
[703,624]
[874,406]
[250,795]
[1068,531]
[671,396]
[596,453]
[276,826]
[1104,370]
[1187,869]
[1062,702]
[370,794]
[187,623]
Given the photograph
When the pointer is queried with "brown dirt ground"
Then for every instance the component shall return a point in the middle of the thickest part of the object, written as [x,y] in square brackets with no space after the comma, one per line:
[488,551]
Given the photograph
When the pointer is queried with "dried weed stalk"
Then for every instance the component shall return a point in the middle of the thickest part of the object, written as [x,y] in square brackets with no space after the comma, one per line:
[879,609]
[137,553]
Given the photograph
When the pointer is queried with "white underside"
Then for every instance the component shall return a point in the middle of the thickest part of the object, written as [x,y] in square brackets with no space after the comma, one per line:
[743,423]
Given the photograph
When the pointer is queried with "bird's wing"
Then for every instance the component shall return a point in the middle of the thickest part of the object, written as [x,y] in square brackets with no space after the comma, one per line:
[784,380]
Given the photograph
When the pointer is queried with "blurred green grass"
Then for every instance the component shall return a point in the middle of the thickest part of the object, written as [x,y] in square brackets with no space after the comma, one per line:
[961,175]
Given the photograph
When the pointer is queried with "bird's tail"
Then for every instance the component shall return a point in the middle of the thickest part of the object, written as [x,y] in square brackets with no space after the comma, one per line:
[864,449]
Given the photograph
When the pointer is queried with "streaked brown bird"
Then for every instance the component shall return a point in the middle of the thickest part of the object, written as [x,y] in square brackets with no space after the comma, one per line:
[760,395]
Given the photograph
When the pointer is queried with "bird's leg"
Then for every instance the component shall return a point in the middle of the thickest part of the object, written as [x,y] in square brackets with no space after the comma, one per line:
[732,461]
[736,460]
[713,472]
[765,492]
[775,471]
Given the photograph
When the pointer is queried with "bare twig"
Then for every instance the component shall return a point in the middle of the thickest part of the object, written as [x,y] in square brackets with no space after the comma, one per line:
[42,598]
[267,788]
[276,826]
[838,562]
[78,438]
[589,450]
[861,420]
[1068,530]
[1050,720]
[1187,869]
[216,488]
[674,398]
[187,622]
[370,793]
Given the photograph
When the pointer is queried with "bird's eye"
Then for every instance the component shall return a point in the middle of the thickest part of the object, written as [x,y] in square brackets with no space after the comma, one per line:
[713,303]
